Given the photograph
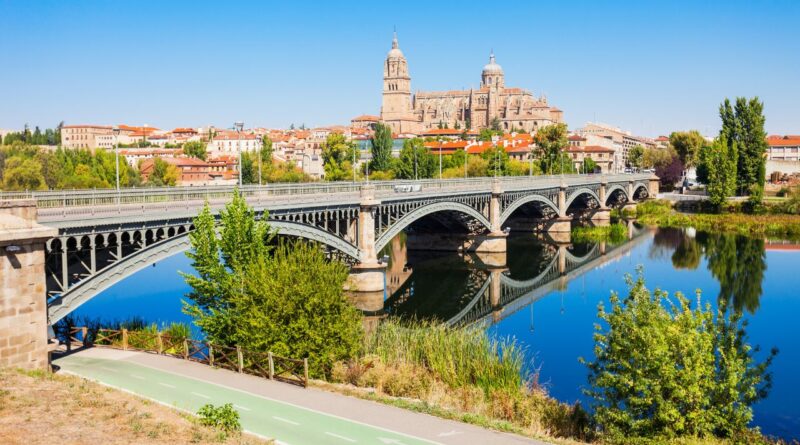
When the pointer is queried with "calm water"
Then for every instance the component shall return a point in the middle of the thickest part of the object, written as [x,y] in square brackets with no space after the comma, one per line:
[556,322]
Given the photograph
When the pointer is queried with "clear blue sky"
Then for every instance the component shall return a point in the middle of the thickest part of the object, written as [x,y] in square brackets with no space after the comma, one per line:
[648,66]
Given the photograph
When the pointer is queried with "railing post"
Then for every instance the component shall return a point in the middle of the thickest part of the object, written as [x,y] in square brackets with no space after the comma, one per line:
[84,331]
[210,355]
[124,339]
[160,343]
[305,372]
[185,349]
[240,357]
[271,366]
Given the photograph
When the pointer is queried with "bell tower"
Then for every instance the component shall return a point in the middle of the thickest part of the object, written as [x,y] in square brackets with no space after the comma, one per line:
[396,107]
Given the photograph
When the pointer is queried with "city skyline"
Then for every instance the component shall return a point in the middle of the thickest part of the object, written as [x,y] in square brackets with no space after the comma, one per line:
[649,69]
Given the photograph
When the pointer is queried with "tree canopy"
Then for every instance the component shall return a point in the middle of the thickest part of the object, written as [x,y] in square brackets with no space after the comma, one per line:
[550,141]
[381,144]
[338,155]
[687,145]
[195,149]
[743,125]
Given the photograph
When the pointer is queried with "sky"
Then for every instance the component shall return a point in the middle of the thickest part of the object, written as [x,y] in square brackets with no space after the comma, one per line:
[650,67]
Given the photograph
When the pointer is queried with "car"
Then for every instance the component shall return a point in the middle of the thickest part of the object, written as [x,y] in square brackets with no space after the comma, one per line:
[407,188]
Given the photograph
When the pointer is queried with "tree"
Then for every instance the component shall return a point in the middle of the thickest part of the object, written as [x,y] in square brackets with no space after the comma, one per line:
[266,150]
[249,171]
[416,161]
[497,160]
[589,166]
[195,149]
[496,126]
[636,157]
[23,174]
[687,144]
[381,145]
[550,141]
[286,300]
[163,173]
[665,368]
[743,125]
[337,156]
[719,163]
[670,172]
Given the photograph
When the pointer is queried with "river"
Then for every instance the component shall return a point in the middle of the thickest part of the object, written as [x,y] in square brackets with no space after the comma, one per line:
[551,315]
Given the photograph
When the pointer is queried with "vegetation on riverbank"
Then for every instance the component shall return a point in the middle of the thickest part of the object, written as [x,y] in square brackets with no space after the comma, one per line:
[44,408]
[615,233]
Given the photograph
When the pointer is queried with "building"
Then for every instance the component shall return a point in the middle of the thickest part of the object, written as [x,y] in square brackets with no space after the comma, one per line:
[606,153]
[192,170]
[365,121]
[133,156]
[232,142]
[624,139]
[511,108]
[86,136]
[783,148]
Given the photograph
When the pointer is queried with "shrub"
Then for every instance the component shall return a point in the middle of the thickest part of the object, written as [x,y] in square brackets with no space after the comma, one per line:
[665,369]
[223,418]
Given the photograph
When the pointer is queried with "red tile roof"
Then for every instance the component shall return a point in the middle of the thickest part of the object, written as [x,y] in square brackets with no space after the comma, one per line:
[366,117]
[783,141]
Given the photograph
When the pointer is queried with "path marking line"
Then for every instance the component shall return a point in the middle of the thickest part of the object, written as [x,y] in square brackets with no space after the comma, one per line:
[449,433]
[137,377]
[340,437]
[290,422]
[199,395]
[105,368]
[242,391]
[166,385]
[242,407]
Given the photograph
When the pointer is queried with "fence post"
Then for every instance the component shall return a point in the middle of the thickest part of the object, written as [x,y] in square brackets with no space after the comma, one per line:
[85,331]
[185,349]
[271,366]
[125,339]
[305,372]
[241,358]
[210,355]
[160,343]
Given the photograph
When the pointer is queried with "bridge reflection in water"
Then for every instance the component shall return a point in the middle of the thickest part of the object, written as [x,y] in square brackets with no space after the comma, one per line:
[474,288]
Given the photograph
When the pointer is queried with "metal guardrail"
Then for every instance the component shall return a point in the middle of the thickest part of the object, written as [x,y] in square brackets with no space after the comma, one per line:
[144,196]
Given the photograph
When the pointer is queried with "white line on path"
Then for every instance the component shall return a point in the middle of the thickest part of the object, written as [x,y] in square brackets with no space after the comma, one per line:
[167,385]
[242,407]
[200,395]
[104,368]
[340,437]
[291,422]
[137,376]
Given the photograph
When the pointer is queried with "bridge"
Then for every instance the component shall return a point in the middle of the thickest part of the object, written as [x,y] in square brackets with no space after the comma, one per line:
[92,239]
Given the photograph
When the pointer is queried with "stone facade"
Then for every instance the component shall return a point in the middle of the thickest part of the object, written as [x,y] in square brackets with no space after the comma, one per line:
[23,306]
[512,108]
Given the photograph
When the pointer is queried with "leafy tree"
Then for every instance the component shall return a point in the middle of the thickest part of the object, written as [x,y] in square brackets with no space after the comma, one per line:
[743,125]
[287,300]
[23,174]
[468,123]
[497,160]
[487,134]
[496,126]
[656,157]
[195,149]
[416,161]
[589,166]
[550,141]
[381,144]
[719,163]
[671,172]
[249,169]
[163,173]
[665,369]
[266,150]
[636,157]
[337,157]
[687,144]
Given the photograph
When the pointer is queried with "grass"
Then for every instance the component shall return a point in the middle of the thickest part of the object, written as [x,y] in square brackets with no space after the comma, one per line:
[38,407]
[614,233]
[661,213]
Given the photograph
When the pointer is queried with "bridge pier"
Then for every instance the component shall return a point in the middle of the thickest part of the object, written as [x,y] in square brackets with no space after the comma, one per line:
[23,308]
[559,228]
[368,274]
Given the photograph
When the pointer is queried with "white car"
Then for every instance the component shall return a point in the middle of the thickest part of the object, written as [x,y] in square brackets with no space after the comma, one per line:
[407,188]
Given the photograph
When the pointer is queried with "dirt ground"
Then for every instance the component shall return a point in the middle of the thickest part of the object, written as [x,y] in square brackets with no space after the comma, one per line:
[43,408]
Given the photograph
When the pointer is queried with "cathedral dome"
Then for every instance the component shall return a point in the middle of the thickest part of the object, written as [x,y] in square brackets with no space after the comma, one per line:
[395,51]
[492,67]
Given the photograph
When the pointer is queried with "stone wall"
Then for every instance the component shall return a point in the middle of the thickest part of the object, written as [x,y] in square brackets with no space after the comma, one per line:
[23,306]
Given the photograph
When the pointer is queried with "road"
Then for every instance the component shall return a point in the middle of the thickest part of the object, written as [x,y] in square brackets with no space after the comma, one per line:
[289,414]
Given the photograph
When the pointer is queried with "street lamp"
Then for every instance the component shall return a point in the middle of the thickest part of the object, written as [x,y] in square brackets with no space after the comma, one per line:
[239,125]
[115,131]
[440,159]
[466,155]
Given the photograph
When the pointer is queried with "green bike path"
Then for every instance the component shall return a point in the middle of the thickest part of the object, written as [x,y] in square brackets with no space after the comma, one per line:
[286,423]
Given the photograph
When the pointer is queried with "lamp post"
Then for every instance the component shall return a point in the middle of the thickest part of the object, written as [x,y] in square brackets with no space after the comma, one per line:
[530,162]
[115,130]
[440,159]
[466,155]
[239,125]
[415,163]
[260,147]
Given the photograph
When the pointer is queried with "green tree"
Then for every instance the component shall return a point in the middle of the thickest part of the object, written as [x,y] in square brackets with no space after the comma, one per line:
[665,369]
[381,145]
[589,166]
[636,157]
[497,160]
[23,174]
[287,300]
[337,157]
[719,164]
[266,150]
[496,126]
[249,169]
[195,149]
[550,141]
[163,173]
[416,161]
[743,125]
[687,144]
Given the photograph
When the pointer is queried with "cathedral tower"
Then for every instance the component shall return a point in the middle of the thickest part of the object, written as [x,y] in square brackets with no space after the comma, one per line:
[492,75]
[396,108]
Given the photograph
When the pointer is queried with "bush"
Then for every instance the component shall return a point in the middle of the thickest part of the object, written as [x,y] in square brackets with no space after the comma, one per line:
[665,369]
[223,418]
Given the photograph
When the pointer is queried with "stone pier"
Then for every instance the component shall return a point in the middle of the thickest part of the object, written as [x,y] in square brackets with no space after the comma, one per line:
[23,305]
[368,274]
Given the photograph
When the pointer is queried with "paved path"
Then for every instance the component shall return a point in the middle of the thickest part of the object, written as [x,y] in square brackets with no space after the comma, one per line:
[292,415]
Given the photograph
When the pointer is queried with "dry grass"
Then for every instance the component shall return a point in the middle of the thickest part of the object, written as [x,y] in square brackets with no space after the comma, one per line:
[43,408]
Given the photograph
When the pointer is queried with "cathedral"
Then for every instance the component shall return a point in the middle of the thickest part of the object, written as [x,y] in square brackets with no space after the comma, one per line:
[513,108]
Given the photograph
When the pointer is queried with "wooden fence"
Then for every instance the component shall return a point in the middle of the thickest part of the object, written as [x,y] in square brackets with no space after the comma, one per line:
[266,365]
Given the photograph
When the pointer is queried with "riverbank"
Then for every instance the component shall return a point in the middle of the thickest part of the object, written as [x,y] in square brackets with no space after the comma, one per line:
[662,214]
[44,408]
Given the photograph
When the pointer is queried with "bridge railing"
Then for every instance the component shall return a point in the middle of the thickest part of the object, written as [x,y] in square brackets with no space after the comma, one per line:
[266,365]
[153,195]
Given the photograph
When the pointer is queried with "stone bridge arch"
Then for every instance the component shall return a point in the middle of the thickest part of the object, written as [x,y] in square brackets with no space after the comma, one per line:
[577,193]
[425,210]
[91,286]
[527,199]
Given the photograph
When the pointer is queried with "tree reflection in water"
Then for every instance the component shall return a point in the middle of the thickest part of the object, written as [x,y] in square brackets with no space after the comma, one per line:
[737,262]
